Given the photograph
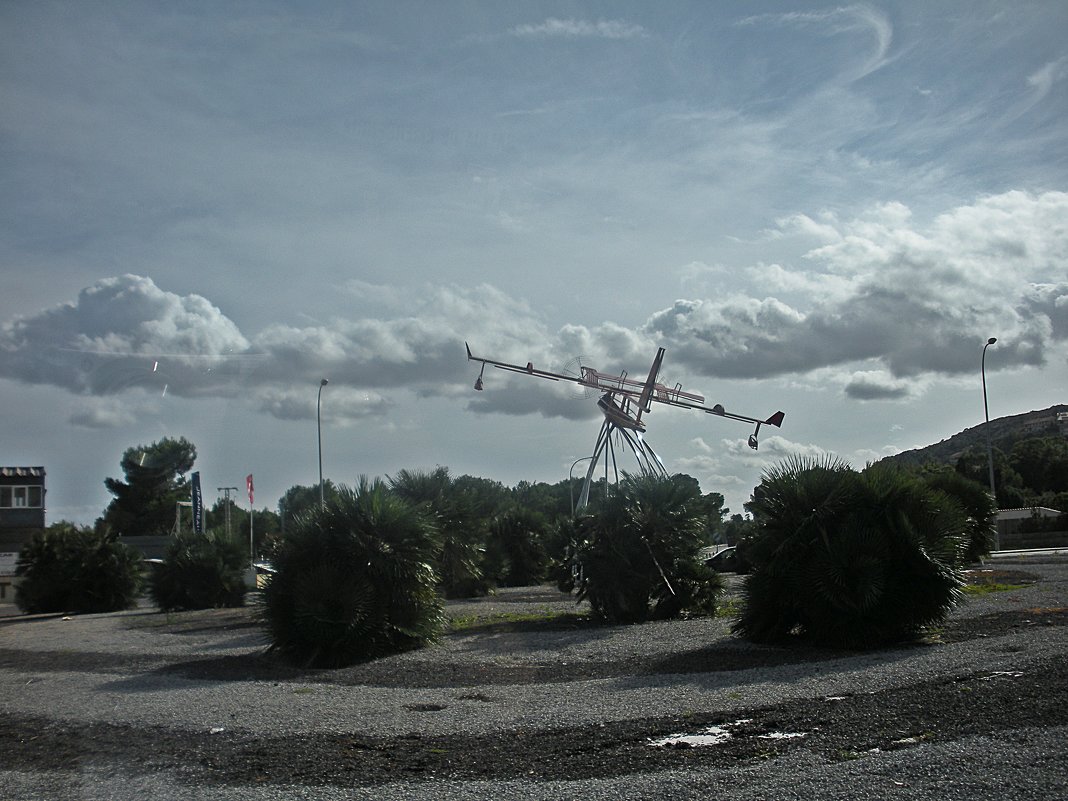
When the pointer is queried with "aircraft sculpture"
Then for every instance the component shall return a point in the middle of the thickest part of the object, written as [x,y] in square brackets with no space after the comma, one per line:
[623,401]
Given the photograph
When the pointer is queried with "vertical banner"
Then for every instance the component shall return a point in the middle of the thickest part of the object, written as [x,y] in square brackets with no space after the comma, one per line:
[198,504]
[248,481]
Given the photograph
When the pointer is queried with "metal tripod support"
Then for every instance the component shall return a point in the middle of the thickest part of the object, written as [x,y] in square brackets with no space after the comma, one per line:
[649,463]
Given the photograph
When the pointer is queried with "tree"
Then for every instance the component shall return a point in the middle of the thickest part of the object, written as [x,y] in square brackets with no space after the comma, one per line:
[266,525]
[300,499]
[973,464]
[488,497]
[515,549]
[146,502]
[1042,464]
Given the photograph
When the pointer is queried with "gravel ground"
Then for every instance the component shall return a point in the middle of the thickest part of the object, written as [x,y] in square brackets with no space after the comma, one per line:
[142,704]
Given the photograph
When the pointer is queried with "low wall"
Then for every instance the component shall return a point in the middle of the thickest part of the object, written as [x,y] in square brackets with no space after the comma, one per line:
[1018,540]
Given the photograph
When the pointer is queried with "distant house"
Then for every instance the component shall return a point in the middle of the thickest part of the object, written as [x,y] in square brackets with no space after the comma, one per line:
[1013,532]
[22,514]
[22,499]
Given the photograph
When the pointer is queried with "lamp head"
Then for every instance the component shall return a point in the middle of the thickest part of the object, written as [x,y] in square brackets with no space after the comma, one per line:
[992,340]
[324,382]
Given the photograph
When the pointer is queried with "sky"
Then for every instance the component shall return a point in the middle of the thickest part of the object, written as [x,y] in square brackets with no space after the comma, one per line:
[206,208]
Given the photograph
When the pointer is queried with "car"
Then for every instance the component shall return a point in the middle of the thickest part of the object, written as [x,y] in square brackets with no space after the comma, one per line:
[726,561]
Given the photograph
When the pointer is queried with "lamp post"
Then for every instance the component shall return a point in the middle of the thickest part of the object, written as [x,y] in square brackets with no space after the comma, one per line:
[319,428]
[571,479]
[989,446]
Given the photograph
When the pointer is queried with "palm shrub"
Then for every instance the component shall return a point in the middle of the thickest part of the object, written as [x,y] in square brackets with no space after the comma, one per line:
[354,580]
[978,504]
[461,529]
[200,571]
[850,559]
[564,537]
[67,568]
[515,551]
[638,553]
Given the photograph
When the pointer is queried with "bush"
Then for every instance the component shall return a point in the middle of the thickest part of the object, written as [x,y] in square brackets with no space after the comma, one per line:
[454,510]
[72,569]
[515,553]
[354,580]
[200,571]
[977,502]
[638,553]
[850,559]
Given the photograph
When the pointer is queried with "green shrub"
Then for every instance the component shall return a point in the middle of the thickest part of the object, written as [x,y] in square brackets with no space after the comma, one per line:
[850,559]
[461,529]
[355,580]
[977,503]
[638,553]
[515,552]
[72,569]
[200,571]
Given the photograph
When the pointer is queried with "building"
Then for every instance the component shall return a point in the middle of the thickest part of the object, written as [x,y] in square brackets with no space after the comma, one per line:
[1013,533]
[22,514]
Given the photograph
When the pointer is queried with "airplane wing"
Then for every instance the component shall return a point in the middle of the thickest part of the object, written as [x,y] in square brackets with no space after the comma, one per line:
[528,369]
[644,393]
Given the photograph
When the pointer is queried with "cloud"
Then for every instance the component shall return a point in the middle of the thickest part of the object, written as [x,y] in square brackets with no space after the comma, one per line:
[103,414]
[345,406]
[125,335]
[116,335]
[882,306]
[573,28]
[914,301]
[836,21]
[876,385]
[1043,79]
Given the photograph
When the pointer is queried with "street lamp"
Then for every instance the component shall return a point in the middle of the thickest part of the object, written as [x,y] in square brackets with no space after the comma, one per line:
[319,428]
[571,479]
[986,415]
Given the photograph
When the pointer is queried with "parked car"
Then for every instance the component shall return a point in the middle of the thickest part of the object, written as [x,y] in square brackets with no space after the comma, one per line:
[726,561]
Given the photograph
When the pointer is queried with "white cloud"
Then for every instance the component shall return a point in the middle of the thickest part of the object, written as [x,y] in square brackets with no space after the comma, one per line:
[1043,79]
[918,301]
[574,28]
[890,307]
[862,19]
[345,406]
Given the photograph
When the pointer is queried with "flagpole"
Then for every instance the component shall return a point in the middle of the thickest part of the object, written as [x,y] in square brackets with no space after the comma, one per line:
[251,538]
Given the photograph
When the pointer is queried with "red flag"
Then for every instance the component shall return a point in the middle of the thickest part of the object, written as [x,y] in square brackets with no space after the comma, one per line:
[248,480]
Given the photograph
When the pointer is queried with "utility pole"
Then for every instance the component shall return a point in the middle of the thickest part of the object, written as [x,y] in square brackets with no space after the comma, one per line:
[226,496]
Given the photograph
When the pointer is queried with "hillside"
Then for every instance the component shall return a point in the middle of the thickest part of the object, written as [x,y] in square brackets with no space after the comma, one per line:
[1004,432]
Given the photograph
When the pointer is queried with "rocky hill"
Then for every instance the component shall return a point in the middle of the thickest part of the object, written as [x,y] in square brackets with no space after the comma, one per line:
[1004,433]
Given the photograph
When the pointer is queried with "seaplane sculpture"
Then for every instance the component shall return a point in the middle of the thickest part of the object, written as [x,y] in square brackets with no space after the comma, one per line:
[623,401]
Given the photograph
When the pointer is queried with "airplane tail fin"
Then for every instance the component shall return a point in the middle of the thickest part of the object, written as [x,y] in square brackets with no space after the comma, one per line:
[775,420]
[645,401]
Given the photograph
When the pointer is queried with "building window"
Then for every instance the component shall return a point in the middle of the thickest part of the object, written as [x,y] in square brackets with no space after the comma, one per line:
[21,497]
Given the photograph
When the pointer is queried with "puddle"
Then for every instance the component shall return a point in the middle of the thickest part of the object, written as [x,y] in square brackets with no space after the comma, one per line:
[713,735]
